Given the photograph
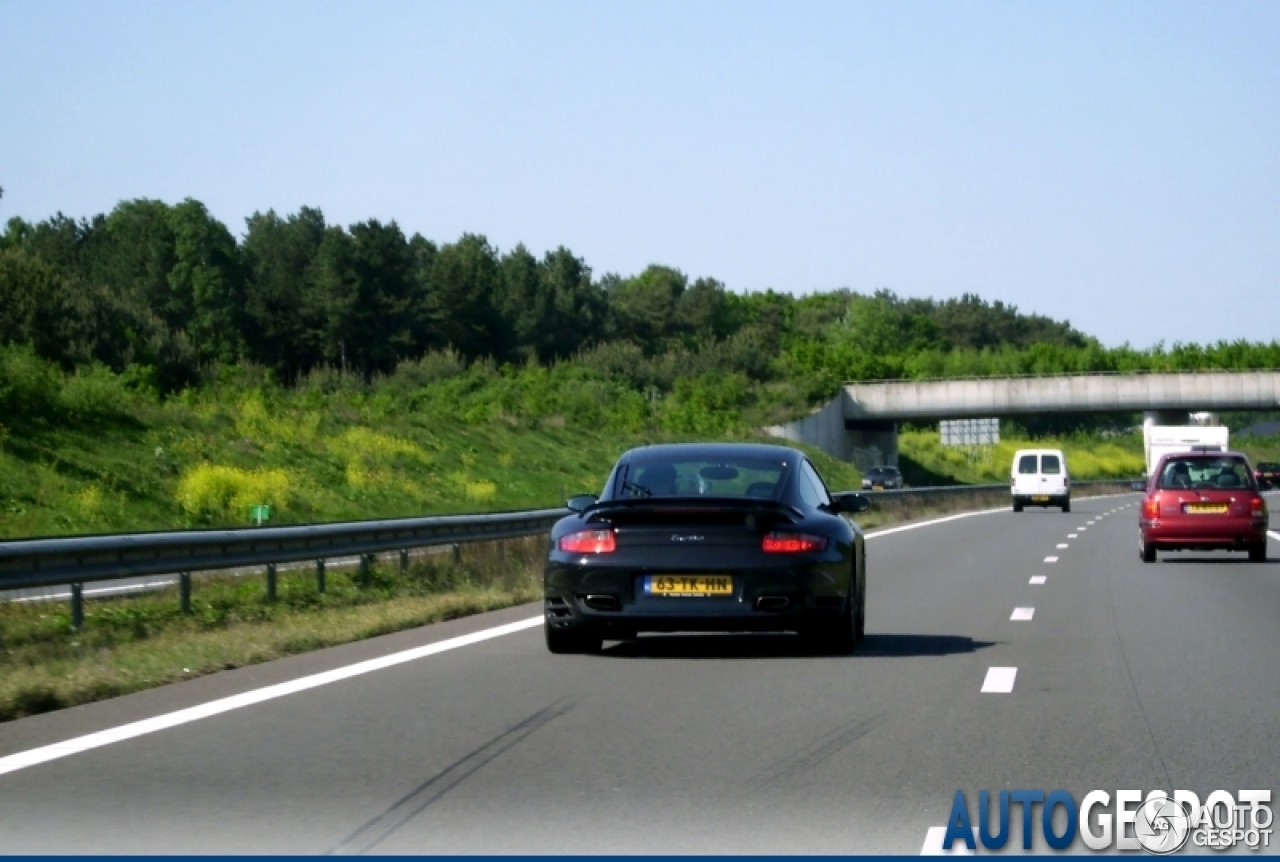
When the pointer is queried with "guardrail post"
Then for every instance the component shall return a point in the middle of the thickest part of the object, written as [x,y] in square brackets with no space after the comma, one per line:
[184,592]
[364,570]
[502,551]
[457,553]
[319,576]
[271,582]
[77,606]
[404,560]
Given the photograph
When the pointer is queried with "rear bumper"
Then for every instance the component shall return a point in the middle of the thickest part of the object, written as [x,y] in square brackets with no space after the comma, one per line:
[1050,499]
[763,600]
[1189,534]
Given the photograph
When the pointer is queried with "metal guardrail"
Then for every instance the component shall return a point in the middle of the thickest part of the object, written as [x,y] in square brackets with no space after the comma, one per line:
[49,562]
[77,560]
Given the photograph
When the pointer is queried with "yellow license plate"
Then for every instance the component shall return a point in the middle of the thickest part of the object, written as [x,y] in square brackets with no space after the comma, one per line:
[688,585]
[1206,508]
[1040,498]
[877,487]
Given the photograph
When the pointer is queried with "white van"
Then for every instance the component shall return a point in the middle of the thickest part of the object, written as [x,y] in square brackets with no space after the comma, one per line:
[1039,477]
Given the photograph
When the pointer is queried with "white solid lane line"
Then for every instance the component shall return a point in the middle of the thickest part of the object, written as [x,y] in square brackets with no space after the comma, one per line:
[1020,614]
[889,531]
[935,837]
[36,756]
[45,753]
[1036,580]
[999,680]
[1051,559]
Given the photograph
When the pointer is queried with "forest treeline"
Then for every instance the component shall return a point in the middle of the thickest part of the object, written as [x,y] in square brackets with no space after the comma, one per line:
[168,294]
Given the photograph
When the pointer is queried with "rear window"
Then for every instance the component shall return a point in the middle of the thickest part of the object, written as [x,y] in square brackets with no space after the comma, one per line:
[1051,464]
[674,476]
[1205,473]
[1027,464]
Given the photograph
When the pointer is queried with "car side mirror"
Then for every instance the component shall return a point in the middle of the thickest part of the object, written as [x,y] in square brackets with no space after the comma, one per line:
[581,502]
[850,504]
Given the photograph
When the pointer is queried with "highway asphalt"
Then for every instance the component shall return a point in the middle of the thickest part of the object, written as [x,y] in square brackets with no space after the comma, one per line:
[1127,676]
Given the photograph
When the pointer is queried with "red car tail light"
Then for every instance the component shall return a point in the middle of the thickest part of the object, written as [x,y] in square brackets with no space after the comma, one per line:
[589,542]
[1151,508]
[1258,507]
[792,543]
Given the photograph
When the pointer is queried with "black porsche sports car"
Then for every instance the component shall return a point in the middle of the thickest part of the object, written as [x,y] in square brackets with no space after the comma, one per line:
[707,537]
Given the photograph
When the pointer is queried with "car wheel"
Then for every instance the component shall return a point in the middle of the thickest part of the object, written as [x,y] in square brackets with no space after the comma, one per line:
[1066,507]
[838,636]
[1258,553]
[570,641]
[1017,505]
[1147,552]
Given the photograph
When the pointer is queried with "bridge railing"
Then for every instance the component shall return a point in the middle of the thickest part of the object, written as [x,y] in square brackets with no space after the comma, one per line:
[1063,374]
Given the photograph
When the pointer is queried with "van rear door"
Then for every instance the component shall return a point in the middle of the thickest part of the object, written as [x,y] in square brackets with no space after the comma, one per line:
[1026,475]
[1053,475]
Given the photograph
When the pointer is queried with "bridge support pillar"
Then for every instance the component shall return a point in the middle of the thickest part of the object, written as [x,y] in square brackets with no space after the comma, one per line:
[872,444]
[864,442]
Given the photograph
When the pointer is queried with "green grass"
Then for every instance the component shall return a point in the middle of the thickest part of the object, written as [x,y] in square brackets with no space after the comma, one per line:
[1088,457]
[130,643]
[204,459]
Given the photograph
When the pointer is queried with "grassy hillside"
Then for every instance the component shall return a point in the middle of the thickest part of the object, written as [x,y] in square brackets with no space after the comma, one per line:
[104,458]
[927,461]
[1089,456]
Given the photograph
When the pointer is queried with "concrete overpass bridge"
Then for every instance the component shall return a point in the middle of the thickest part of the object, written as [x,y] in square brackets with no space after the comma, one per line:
[861,423]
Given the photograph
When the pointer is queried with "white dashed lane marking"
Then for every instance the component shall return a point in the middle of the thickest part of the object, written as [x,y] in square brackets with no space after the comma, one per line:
[1051,559]
[1063,545]
[1020,614]
[937,835]
[1073,535]
[999,680]
[1037,580]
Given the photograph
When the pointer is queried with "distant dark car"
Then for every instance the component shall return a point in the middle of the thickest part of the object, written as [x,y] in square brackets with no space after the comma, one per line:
[1203,501]
[707,537]
[881,478]
[1267,474]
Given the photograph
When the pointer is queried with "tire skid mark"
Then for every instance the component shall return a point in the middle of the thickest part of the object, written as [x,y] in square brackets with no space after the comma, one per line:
[381,827]
[822,749]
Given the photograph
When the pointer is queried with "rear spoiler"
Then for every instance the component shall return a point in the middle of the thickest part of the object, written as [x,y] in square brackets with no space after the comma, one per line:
[691,504]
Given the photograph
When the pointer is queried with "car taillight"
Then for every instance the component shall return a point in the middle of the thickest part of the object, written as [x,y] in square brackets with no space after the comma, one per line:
[1151,508]
[792,543]
[589,542]
[1258,507]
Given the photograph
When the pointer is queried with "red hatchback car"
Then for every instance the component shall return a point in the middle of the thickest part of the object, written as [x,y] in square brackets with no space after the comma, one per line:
[1202,501]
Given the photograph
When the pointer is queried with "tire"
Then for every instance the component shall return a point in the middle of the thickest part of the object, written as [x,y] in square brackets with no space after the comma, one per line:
[838,636]
[569,641]
[1145,551]
[1258,553]
[1017,505]
[1066,507]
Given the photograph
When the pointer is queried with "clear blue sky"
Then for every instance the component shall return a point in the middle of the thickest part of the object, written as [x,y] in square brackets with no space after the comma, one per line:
[1113,164]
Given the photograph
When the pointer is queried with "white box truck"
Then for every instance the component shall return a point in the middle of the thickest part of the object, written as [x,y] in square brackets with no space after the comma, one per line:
[1161,440]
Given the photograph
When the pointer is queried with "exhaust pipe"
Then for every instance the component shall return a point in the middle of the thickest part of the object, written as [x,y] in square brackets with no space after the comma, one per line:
[772,603]
[603,603]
